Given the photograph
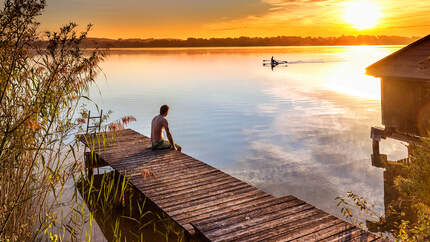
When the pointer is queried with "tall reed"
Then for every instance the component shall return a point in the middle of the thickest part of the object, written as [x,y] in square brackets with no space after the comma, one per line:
[44,81]
[41,92]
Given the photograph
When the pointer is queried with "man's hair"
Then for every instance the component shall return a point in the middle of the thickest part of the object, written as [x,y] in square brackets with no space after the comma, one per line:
[164,109]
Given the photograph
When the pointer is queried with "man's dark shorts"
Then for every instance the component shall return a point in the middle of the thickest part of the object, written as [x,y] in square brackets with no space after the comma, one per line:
[163,145]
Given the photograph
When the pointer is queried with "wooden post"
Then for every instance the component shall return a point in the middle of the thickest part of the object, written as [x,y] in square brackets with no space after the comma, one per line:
[376,134]
[93,160]
[375,147]
[89,164]
[88,121]
[100,120]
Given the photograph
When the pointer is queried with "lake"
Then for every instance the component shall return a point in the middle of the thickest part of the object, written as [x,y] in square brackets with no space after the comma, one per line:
[301,129]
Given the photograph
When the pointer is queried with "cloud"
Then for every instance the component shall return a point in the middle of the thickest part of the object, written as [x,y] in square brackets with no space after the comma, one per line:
[229,18]
[325,18]
[132,18]
[284,18]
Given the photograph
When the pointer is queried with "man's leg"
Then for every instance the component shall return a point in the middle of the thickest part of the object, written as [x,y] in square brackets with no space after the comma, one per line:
[162,145]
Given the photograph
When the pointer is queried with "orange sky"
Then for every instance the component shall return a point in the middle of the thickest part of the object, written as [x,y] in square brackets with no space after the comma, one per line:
[234,18]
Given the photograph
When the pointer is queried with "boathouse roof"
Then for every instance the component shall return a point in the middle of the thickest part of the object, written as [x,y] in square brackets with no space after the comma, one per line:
[411,62]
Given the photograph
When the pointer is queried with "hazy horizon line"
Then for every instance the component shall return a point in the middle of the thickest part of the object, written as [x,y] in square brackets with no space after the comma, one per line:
[237,37]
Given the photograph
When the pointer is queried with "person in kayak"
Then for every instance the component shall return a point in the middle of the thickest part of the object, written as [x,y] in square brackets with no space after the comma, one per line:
[159,123]
[273,62]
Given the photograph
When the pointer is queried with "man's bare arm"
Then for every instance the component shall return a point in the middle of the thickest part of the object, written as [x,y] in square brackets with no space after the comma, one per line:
[169,136]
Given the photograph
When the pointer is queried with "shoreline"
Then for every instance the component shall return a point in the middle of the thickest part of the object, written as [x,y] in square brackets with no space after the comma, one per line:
[236,47]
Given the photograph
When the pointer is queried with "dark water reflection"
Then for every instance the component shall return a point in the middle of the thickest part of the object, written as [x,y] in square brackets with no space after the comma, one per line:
[301,130]
[128,218]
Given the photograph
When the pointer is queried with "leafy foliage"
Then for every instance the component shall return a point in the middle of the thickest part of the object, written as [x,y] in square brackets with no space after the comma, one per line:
[407,216]
[415,190]
[40,92]
[351,201]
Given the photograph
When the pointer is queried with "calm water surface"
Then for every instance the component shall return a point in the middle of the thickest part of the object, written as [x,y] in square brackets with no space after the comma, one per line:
[301,129]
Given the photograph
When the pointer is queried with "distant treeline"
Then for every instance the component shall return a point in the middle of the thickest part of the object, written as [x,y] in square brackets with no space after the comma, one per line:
[248,41]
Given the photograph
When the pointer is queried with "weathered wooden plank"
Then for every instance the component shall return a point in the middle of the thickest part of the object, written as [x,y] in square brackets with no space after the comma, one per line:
[189,228]
[117,151]
[169,171]
[163,181]
[352,234]
[120,144]
[380,239]
[363,235]
[146,155]
[124,144]
[294,217]
[154,159]
[119,133]
[184,167]
[167,162]
[297,234]
[233,208]
[212,201]
[170,167]
[197,194]
[192,192]
[181,167]
[126,156]
[109,140]
[223,209]
[250,206]
[151,183]
[281,231]
[185,187]
[199,209]
[257,215]
[335,227]
[254,226]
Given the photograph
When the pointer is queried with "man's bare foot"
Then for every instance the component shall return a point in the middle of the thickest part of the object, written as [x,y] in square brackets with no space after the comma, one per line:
[177,148]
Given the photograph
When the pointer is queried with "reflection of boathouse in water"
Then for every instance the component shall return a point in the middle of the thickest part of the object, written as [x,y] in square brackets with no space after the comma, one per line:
[405,104]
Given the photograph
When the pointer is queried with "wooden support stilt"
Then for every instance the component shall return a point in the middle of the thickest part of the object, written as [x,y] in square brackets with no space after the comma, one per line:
[88,164]
[376,134]
[375,147]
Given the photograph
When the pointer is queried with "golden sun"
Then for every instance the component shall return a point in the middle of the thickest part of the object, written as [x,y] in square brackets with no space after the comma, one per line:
[362,14]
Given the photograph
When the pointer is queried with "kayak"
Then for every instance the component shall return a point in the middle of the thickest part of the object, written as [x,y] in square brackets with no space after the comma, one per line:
[275,62]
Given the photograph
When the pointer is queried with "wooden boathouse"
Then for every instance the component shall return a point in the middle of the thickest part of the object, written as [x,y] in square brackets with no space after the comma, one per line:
[405,93]
[209,204]
[405,104]
[405,88]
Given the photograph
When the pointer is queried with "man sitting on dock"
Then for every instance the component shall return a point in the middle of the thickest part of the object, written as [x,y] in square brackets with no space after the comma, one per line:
[159,123]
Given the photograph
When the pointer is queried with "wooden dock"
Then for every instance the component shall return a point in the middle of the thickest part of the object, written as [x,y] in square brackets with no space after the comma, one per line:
[212,205]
